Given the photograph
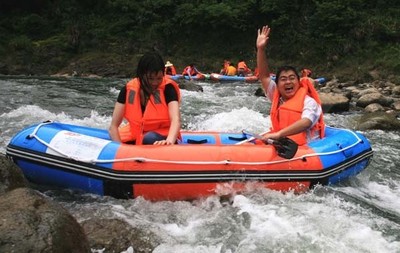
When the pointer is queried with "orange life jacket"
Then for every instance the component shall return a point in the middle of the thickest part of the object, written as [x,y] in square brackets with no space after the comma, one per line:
[242,65]
[154,118]
[290,111]
[231,71]
[171,70]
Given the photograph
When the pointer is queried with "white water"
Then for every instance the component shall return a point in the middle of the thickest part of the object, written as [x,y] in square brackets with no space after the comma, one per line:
[361,215]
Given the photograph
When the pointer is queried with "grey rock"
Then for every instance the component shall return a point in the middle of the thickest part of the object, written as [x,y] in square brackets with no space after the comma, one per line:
[371,98]
[379,120]
[332,102]
[11,176]
[114,235]
[30,222]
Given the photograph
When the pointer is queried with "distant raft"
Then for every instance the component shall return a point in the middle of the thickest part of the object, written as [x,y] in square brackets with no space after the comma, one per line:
[249,79]
[78,157]
[224,78]
[198,77]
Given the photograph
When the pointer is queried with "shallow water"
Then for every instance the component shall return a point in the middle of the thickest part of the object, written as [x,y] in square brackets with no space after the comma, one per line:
[359,215]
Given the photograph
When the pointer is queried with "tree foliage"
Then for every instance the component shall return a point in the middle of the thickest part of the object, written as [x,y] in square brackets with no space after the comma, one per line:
[206,30]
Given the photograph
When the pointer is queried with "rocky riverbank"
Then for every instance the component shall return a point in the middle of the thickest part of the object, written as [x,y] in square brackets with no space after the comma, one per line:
[378,102]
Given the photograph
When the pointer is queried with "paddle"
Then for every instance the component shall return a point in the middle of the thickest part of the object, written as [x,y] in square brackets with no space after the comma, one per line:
[284,146]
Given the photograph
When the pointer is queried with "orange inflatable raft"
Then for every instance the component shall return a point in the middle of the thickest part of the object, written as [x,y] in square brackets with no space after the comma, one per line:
[205,163]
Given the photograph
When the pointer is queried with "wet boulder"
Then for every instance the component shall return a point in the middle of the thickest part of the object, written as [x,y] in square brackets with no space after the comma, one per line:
[11,176]
[379,120]
[334,102]
[375,97]
[259,92]
[30,222]
[114,235]
[190,86]
[375,107]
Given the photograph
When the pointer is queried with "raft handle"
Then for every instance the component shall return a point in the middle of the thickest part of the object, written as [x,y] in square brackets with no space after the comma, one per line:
[191,141]
[237,138]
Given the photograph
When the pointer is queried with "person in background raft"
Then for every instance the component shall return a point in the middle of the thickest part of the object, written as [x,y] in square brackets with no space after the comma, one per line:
[190,71]
[242,68]
[296,108]
[231,70]
[150,104]
[225,67]
[169,69]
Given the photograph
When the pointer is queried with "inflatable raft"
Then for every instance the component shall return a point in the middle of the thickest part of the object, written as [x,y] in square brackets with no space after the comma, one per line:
[175,77]
[249,79]
[224,78]
[205,163]
[198,77]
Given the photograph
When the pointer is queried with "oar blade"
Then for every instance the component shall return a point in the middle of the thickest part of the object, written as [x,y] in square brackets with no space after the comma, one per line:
[285,147]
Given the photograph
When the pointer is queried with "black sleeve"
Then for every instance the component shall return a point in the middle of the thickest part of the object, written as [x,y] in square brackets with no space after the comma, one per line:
[122,95]
[170,93]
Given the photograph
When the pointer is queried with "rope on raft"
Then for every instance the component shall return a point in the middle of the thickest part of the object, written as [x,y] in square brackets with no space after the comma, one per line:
[144,159]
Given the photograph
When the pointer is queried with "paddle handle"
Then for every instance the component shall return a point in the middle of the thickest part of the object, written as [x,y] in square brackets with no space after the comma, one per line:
[255,136]
[245,141]
[285,147]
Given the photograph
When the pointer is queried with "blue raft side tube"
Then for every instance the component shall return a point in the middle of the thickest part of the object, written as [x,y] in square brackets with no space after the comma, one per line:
[46,175]
[175,77]
[342,139]
[320,80]
[232,78]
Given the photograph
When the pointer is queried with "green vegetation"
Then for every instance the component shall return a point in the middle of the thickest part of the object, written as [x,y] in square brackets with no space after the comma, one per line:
[343,38]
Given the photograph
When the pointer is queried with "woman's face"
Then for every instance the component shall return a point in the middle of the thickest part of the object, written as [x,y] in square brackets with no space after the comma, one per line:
[288,84]
[154,79]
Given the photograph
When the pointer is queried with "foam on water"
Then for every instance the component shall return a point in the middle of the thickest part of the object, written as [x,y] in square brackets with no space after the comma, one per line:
[383,196]
[15,120]
[321,224]
[234,120]
[262,221]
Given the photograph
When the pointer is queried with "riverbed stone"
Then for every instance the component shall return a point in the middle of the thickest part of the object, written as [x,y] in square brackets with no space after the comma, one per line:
[379,120]
[11,176]
[115,235]
[375,97]
[396,105]
[333,102]
[190,86]
[31,222]
[396,91]
[368,91]
[375,107]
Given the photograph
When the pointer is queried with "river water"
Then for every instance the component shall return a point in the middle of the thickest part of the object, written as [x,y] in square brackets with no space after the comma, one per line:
[360,215]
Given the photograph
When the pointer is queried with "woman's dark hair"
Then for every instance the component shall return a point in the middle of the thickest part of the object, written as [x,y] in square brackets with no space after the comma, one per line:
[150,62]
[286,68]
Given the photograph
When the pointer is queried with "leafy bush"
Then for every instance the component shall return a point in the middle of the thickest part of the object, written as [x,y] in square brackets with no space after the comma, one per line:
[34,26]
[21,43]
[322,34]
